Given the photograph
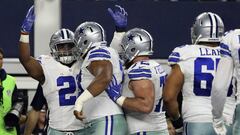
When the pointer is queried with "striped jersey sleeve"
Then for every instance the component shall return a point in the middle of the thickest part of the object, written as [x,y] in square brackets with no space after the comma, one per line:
[39,59]
[174,57]
[224,50]
[139,72]
[225,45]
[101,53]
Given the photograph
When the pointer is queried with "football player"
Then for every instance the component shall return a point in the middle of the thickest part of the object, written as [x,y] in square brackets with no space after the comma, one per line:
[57,74]
[101,69]
[142,88]
[228,65]
[193,69]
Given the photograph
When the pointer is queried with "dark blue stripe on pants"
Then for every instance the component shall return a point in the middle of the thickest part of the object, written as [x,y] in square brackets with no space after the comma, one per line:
[186,128]
[111,125]
[144,133]
[106,126]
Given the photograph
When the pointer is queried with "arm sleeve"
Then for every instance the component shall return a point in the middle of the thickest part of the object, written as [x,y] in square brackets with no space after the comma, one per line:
[38,99]
[116,41]
[220,85]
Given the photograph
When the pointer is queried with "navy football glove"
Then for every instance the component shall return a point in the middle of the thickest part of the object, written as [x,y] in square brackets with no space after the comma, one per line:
[114,90]
[28,21]
[119,16]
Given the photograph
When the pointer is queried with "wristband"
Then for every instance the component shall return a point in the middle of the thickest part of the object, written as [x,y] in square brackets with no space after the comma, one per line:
[178,123]
[24,38]
[86,95]
[120,29]
[121,100]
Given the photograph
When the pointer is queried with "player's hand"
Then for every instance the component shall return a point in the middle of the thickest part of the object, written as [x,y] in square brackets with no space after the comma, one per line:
[28,21]
[119,16]
[219,127]
[86,95]
[171,128]
[178,125]
[114,89]
[78,109]
[79,115]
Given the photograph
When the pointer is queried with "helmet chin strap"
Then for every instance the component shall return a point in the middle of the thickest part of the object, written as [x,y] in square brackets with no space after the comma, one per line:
[84,52]
[197,39]
[134,56]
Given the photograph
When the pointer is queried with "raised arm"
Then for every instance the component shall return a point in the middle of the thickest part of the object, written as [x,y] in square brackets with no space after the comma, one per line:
[31,65]
[119,16]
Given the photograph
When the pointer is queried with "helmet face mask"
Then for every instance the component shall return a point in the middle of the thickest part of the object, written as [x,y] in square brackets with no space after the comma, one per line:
[86,34]
[63,47]
[208,27]
[136,42]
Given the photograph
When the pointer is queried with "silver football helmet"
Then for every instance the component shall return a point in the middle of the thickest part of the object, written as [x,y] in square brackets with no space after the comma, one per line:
[63,47]
[88,33]
[208,27]
[136,42]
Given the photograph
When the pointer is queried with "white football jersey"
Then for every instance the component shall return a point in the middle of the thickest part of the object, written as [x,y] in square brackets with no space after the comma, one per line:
[101,105]
[198,63]
[61,91]
[155,120]
[230,47]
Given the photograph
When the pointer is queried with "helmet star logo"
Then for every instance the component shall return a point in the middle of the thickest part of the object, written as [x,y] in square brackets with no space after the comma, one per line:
[130,37]
[81,30]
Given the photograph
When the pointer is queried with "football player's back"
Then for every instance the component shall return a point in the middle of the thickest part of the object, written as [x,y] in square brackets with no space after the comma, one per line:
[194,67]
[198,64]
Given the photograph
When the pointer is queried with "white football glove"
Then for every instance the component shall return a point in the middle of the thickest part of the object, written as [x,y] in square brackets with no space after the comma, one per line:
[219,127]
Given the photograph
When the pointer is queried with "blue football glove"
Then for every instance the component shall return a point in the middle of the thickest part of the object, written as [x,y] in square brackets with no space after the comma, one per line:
[28,21]
[114,90]
[119,16]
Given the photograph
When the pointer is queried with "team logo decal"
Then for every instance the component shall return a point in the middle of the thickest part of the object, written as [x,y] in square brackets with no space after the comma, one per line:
[9,92]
